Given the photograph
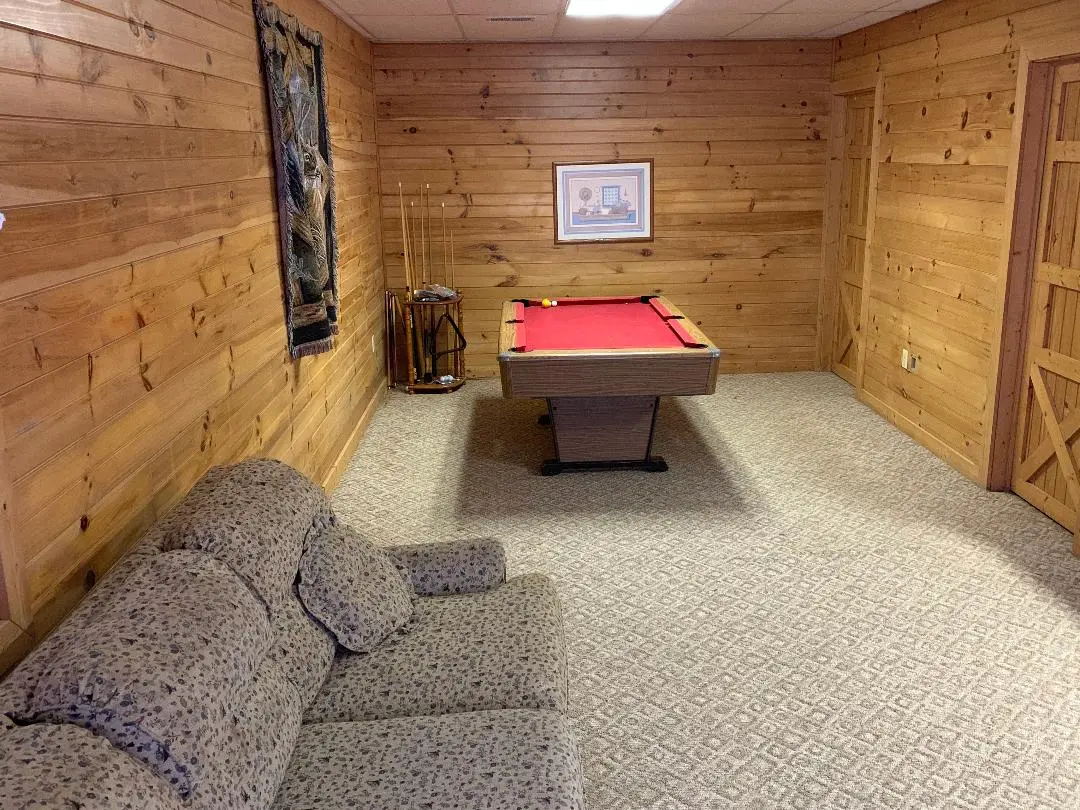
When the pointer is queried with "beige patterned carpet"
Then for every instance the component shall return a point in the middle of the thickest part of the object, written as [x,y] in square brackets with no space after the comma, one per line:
[808,611]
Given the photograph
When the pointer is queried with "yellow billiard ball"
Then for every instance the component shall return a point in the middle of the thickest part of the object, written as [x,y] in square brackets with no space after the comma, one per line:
[545,303]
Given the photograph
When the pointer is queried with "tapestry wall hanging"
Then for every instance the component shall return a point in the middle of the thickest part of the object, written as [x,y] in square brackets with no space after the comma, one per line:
[292,57]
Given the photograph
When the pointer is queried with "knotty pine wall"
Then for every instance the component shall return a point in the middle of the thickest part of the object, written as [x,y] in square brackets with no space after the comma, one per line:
[737,130]
[140,288]
[946,177]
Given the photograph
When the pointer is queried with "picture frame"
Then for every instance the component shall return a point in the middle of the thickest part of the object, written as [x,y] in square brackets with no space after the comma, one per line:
[603,201]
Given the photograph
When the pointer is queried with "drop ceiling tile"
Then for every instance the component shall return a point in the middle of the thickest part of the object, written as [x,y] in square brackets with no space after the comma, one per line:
[398,8]
[778,26]
[697,26]
[480,29]
[729,6]
[415,28]
[511,8]
[601,30]
[832,6]
[862,21]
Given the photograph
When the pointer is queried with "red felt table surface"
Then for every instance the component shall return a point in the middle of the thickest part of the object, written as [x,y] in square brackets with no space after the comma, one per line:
[598,325]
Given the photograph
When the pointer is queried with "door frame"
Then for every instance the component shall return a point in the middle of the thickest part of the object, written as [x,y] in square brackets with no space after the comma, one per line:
[829,293]
[1035,77]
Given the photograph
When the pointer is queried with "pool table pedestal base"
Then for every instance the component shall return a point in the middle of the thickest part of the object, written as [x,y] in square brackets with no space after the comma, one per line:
[603,433]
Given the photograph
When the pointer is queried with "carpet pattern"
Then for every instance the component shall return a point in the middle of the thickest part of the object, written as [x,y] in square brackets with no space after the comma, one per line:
[808,611]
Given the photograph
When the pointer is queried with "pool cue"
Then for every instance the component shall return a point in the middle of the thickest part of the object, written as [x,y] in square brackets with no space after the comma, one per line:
[412,252]
[445,267]
[423,251]
[412,238]
[404,237]
[431,239]
[389,307]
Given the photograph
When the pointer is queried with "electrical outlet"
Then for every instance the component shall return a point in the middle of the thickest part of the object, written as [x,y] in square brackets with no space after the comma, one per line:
[908,360]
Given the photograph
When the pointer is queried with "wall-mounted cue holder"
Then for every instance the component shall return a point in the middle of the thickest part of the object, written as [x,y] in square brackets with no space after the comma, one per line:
[425,341]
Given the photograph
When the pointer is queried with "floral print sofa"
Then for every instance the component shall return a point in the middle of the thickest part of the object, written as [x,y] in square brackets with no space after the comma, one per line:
[193,677]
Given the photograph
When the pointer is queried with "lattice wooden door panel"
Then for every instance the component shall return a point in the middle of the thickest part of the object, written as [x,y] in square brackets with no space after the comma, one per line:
[1048,429]
[854,193]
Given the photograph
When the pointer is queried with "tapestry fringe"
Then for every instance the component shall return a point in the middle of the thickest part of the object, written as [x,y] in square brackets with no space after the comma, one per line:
[313,348]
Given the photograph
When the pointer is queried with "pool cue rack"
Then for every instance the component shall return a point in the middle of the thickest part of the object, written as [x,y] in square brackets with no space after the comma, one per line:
[425,323]
[425,340]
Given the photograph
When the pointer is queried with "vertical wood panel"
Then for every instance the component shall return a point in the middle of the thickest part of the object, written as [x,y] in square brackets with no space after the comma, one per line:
[738,132]
[140,286]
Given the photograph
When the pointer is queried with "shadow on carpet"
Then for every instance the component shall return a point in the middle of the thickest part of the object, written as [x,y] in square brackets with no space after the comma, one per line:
[504,447]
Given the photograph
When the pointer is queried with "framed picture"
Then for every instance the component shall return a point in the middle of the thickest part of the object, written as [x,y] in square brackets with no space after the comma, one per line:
[603,202]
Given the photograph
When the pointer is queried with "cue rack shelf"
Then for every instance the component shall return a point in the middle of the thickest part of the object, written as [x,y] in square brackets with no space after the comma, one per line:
[424,322]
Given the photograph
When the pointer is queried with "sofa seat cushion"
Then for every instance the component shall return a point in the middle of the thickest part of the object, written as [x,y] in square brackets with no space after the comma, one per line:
[353,588]
[159,670]
[61,767]
[498,649]
[255,517]
[515,759]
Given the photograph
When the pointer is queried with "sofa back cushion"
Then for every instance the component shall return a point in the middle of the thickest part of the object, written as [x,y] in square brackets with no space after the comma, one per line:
[262,732]
[60,767]
[354,589]
[303,648]
[162,666]
[255,517]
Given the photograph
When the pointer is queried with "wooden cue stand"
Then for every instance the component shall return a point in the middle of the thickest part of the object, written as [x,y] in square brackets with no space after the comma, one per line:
[423,320]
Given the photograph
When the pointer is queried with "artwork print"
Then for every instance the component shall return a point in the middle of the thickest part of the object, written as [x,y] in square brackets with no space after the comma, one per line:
[292,57]
[603,202]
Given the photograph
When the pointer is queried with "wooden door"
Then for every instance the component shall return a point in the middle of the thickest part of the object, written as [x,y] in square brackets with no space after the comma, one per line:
[1048,427]
[854,196]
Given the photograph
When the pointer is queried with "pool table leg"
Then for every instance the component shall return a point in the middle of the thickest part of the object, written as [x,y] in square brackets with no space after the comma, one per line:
[586,429]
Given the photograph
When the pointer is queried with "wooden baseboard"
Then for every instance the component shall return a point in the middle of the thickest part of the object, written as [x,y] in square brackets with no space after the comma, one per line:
[924,437]
[15,643]
[845,374]
[341,462]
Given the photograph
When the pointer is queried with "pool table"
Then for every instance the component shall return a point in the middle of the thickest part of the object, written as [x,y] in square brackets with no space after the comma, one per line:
[602,364]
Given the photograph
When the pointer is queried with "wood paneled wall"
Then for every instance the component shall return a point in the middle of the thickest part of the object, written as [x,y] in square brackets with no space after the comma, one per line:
[947,162]
[738,133]
[140,289]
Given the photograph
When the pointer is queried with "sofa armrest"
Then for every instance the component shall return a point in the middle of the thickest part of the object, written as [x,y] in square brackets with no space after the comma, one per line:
[456,566]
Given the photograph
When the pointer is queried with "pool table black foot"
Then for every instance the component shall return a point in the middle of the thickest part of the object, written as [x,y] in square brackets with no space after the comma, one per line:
[655,464]
[651,464]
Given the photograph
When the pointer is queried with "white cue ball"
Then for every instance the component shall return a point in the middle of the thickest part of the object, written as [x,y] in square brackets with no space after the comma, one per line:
[554,303]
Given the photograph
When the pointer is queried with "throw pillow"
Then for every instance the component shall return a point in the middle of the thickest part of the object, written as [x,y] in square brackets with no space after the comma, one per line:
[353,588]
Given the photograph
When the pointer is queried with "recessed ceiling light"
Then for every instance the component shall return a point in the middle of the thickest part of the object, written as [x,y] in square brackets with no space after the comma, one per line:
[619,8]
